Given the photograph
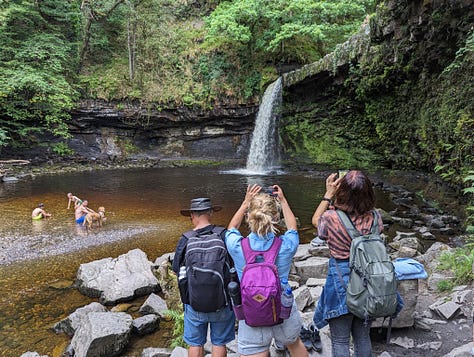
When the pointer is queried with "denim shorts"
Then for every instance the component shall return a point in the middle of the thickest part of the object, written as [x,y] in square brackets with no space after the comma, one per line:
[195,326]
[254,340]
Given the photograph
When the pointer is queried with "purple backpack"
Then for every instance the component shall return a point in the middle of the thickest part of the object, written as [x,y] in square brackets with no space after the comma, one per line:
[260,285]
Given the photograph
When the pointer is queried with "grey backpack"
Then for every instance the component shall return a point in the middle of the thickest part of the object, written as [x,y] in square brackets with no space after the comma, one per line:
[372,288]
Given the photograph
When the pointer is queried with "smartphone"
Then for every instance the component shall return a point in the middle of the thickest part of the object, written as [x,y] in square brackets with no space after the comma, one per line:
[342,173]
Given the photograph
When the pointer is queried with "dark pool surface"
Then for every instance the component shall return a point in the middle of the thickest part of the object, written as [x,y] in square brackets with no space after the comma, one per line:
[39,259]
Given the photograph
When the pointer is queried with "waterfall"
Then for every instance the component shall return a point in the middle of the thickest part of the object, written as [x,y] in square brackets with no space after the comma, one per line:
[264,154]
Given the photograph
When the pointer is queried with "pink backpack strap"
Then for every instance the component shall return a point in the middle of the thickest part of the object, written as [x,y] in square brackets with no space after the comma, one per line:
[269,255]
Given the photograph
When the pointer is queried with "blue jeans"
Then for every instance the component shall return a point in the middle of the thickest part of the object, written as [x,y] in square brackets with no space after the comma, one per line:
[222,325]
[341,329]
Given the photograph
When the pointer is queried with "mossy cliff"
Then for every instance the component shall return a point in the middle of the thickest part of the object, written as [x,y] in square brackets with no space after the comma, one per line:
[400,94]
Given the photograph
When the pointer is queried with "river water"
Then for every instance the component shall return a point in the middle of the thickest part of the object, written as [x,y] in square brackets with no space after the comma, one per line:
[39,259]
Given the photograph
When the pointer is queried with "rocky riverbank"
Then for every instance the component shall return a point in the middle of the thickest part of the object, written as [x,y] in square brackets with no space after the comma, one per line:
[414,225]
[430,323]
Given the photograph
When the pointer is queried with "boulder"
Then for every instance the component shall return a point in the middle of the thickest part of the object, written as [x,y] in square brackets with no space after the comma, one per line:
[154,305]
[406,252]
[446,310]
[70,324]
[156,352]
[146,324]
[430,259]
[314,267]
[179,352]
[163,258]
[303,298]
[462,351]
[116,280]
[102,334]
[302,252]
[320,251]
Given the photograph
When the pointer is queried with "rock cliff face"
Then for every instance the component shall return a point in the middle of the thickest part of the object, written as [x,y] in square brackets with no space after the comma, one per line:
[399,93]
[105,130]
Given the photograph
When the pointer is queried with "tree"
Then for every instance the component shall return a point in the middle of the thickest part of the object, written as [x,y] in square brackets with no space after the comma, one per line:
[297,30]
[37,55]
[94,11]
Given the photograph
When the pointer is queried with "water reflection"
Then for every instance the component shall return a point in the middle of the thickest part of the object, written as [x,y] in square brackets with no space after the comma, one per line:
[142,212]
[37,226]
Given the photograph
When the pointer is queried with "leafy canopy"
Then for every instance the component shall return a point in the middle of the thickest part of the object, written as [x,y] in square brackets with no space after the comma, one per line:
[36,62]
[297,30]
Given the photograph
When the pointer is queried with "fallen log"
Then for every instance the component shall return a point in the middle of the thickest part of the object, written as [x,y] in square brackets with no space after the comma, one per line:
[14,162]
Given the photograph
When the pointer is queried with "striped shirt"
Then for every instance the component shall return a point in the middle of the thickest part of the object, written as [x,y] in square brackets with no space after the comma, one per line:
[332,230]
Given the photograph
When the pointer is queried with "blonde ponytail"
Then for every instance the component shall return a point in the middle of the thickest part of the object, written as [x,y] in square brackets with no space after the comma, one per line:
[263,214]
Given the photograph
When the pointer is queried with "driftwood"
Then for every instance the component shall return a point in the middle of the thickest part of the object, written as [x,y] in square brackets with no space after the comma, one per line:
[14,162]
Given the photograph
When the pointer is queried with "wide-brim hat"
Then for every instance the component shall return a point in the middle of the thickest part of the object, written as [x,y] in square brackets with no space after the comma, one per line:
[200,204]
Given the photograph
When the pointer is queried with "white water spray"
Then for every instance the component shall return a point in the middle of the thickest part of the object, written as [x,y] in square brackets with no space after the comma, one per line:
[264,154]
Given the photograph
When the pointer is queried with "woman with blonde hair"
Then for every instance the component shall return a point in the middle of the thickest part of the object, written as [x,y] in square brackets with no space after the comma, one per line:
[262,212]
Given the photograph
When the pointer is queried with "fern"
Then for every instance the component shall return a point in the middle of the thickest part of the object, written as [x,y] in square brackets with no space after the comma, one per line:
[178,329]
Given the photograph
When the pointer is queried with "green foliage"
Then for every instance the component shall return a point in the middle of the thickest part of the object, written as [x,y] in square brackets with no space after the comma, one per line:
[469,191]
[445,285]
[178,329]
[329,144]
[460,262]
[301,31]
[36,58]
[174,65]
[62,149]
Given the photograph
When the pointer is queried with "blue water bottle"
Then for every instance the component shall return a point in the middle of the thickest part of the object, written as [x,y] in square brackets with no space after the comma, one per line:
[286,299]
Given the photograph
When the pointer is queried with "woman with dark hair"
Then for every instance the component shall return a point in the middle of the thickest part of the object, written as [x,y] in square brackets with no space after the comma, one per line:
[354,195]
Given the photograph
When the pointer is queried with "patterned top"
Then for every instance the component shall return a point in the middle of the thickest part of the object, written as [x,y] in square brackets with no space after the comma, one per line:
[332,230]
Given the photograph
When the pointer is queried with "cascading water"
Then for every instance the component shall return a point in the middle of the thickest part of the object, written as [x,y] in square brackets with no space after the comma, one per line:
[264,154]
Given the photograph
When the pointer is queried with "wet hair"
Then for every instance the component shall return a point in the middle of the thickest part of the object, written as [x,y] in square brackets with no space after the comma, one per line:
[41,205]
[355,193]
[263,213]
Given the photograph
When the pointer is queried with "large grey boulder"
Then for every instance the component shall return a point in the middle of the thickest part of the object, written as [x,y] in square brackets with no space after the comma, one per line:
[102,334]
[114,280]
[314,267]
[70,324]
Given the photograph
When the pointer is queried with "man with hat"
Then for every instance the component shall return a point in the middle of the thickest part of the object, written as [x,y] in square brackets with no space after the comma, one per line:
[39,212]
[205,237]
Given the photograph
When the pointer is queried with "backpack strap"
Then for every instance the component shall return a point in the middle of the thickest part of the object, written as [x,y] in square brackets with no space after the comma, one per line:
[348,224]
[269,255]
[192,233]
[350,227]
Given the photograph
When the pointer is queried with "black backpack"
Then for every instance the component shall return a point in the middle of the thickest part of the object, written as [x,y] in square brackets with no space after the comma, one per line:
[207,270]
